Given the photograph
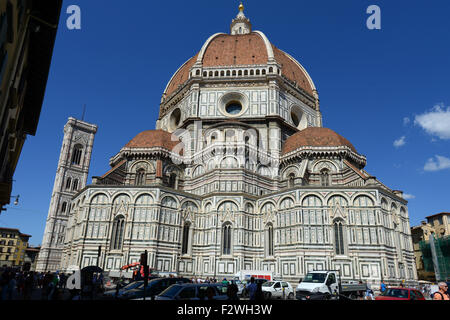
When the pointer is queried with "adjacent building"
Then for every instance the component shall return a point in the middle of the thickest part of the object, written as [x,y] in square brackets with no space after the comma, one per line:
[438,226]
[27,36]
[239,174]
[13,246]
[31,255]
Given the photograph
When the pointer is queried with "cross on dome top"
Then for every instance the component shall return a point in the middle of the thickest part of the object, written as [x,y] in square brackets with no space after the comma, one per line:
[241,24]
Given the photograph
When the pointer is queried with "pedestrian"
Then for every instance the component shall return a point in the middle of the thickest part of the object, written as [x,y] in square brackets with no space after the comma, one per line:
[210,293]
[11,286]
[259,294]
[382,286]
[28,286]
[225,281]
[442,294]
[52,287]
[118,287]
[232,292]
[4,282]
[251,289]
[369,293]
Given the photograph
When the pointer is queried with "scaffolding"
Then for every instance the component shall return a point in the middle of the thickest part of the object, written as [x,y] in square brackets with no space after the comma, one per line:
[436,256]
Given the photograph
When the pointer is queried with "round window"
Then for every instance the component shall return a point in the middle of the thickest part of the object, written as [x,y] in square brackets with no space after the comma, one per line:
[233,107]
[233,104]
[175,118]
[298,118]
[295,119]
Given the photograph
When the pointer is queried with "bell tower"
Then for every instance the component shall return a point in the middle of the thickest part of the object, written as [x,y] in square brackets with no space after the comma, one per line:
[71,176]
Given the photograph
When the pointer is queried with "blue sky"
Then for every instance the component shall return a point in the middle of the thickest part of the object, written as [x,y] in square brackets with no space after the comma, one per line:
[387,91]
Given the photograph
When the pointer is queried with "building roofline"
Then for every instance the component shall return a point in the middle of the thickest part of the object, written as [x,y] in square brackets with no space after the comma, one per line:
[438,214]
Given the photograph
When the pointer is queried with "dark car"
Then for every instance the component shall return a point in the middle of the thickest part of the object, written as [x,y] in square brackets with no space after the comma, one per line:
[194,291]
[111,294]
[154,287]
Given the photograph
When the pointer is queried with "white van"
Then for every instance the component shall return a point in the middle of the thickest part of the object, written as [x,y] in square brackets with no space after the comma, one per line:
[257,274]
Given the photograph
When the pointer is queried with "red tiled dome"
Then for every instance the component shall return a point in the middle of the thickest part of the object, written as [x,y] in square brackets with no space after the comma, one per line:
[225,50]
[153,138]
[315,137]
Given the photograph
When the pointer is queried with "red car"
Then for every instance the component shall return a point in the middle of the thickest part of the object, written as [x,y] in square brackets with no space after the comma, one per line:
[401,294]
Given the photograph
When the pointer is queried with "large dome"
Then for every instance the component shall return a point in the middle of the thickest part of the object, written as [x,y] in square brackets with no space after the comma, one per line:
[242,49]
[315,137]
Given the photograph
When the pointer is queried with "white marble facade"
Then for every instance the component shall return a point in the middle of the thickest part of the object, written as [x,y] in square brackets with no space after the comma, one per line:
[234,199]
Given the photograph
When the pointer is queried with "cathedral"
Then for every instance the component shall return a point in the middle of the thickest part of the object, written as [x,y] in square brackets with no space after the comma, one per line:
[239,174]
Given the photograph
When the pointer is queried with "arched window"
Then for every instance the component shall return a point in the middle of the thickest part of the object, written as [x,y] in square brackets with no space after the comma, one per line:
[185,246]
[324,178]
[172,180]
[64,207]
[339,237]
[291,180]
[117,233]
[226,243]
[75,185]
[140,177]
[68,183]
[269,240]
[76,154]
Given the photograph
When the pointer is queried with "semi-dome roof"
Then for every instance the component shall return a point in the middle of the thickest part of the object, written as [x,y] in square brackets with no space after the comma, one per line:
[153,138]
[242,49]
[315,137]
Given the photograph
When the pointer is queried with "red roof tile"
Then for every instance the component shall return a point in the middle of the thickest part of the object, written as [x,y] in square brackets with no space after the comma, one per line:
[315,137]
[153,138]
[244,49]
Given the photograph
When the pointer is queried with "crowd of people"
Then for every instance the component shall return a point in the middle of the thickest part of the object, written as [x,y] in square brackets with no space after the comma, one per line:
[19,284]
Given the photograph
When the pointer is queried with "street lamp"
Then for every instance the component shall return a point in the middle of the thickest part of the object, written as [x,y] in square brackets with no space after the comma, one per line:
[16,202]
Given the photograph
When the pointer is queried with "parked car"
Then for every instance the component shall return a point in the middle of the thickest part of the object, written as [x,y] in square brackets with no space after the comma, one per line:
[154,287]
[110,294]
[400,294]
[194,291]
[274,289]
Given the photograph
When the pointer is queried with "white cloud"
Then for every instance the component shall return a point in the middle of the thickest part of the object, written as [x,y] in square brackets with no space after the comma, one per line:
[436,122]
[441,163]
[406,121]
[400,142]
[408,196]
